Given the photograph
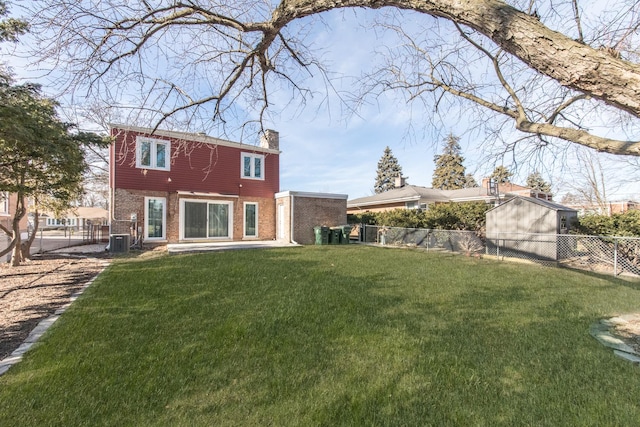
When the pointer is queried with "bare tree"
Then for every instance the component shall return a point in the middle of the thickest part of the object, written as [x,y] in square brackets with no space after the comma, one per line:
[219,59]
[591,183]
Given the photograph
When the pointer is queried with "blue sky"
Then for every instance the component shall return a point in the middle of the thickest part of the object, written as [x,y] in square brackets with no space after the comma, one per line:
[325,149]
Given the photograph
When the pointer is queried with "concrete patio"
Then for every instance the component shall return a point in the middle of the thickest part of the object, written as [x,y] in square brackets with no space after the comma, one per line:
[178,248]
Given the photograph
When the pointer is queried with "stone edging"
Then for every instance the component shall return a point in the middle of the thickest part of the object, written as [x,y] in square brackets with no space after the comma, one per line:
[603,332]
[42,327]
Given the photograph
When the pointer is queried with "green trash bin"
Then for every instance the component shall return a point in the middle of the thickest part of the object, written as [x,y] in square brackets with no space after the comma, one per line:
[346,230]
[334,236]
[322,235]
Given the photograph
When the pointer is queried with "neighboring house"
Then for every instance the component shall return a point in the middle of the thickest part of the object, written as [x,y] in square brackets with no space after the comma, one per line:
[78,218]
[610,209]
[529,226]
[7,205]
[417,197]
[180,187]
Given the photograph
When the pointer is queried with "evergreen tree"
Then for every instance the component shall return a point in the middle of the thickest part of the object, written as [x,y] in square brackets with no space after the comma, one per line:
[41,157]
[10,28]
[388,170]
[449,173]
[501,175]
[470,181]
[536,182]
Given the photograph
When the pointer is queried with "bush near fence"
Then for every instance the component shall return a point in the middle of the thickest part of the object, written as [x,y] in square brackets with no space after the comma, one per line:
[446,216]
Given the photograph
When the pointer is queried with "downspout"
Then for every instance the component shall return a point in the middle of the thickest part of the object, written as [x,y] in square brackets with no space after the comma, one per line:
[291,225]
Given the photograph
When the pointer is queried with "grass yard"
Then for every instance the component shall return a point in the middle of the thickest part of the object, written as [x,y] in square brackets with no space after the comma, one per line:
[330,335]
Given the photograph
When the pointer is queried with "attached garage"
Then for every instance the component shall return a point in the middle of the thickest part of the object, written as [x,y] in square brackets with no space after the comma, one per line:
[297,213]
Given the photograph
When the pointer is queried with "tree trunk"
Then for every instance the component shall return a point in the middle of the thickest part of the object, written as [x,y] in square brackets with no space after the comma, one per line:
[26,246]
[572,64]
[8,248]
[21,211]
[16,255]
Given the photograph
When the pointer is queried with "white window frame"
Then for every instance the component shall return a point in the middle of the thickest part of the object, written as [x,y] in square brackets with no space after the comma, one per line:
[244,222]
[252,173]
[61,222]
[164,219]
[154,143]
[4,203]
[208,202]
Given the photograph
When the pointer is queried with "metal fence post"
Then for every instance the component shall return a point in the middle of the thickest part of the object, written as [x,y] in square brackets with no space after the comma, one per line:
[615,257]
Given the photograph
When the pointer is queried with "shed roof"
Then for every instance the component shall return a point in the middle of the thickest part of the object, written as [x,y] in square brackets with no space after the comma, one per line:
[546,203]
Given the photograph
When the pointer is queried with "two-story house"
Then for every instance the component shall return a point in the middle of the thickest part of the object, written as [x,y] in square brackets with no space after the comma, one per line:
[179,187]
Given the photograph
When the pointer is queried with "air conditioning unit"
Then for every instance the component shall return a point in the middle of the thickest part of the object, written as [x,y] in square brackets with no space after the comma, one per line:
[119,243]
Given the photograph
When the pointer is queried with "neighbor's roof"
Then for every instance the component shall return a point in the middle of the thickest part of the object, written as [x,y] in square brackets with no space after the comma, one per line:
[81,212]
[408,193]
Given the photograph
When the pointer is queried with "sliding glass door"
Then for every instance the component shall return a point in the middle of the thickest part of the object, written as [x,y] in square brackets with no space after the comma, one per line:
[206,219]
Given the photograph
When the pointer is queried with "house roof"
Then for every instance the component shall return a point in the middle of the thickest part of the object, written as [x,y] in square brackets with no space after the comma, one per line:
[197,137]
[81,212]
[408,193]
[547,204]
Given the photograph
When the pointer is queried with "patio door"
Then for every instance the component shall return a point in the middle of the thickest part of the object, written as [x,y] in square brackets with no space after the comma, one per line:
[205,219]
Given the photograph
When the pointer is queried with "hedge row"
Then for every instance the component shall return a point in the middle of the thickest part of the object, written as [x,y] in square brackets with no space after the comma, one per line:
[446,216]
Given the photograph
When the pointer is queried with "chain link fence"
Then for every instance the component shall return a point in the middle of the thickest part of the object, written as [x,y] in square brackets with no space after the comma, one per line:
[605,254]
[602,254]
[467,242]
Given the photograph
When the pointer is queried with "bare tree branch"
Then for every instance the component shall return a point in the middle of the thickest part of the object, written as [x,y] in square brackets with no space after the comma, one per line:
[239,49]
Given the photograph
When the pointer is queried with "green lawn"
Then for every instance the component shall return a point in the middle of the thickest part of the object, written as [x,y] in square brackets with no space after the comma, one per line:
[329,335]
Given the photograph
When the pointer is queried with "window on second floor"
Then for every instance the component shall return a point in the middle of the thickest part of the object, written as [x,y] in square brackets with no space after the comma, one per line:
[152,153]
[252,166]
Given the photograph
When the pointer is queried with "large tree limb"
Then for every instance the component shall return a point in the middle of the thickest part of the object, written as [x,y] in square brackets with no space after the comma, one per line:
[572,64]
[250,44]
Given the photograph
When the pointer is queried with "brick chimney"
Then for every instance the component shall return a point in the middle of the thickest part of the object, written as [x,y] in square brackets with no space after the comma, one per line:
[270,139]
[400,181]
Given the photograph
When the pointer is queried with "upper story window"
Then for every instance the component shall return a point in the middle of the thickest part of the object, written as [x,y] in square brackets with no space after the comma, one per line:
[152,153]
[4,202]
[252,166]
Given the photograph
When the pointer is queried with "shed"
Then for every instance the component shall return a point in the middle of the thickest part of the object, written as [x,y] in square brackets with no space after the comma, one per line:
[529,227]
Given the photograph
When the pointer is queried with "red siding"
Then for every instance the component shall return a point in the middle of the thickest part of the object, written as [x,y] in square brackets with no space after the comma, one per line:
[195,166]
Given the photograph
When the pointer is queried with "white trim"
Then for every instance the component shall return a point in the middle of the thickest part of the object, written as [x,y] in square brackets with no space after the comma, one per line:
[244,220]
[310,195]
[164,219]
[252,164]
[229,203]
[194,193]
[153,154]
[4,203]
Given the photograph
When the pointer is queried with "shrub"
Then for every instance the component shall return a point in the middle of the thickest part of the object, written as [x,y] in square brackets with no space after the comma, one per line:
[622,224]
[446,216]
